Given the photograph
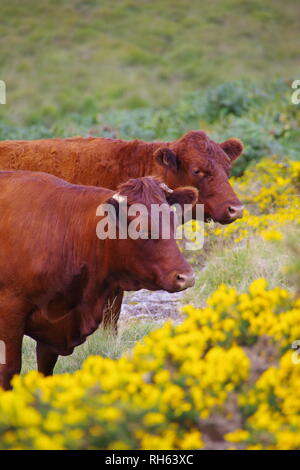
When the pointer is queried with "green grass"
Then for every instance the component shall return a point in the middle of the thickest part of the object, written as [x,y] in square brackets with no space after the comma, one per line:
[239,265]
[103,343]
[85,56]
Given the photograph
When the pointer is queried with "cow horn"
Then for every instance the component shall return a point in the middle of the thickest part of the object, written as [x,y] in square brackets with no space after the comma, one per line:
[120,199]
[165,188]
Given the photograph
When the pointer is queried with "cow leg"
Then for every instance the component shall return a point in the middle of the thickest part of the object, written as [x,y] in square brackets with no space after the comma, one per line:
[11,336]
[46,359]
[112,311]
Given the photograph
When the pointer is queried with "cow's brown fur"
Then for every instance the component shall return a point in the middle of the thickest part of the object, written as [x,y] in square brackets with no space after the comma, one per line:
[56,276]
[108,162]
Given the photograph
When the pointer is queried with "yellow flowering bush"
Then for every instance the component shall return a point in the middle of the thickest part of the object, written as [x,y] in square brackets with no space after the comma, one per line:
[272,408]
[270,191]
[163,393]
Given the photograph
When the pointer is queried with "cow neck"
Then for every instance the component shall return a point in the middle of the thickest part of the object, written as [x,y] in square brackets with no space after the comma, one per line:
[84,248]
[145,161]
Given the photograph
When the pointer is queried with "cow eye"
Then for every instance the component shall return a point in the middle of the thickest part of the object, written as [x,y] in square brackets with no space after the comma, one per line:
[198,172]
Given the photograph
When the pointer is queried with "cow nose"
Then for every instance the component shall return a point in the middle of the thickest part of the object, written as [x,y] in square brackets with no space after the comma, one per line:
[185,280]
[236,212]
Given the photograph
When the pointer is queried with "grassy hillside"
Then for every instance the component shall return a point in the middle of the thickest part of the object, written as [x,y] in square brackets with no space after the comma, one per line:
[85,56]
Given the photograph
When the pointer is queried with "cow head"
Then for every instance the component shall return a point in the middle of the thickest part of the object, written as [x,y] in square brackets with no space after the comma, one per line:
[149,263]
[197,161]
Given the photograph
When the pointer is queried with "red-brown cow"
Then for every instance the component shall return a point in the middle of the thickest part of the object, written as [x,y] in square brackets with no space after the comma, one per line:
[193,160]
[56,276]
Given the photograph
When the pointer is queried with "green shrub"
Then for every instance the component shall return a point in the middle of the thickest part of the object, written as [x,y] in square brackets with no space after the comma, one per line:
[260,114]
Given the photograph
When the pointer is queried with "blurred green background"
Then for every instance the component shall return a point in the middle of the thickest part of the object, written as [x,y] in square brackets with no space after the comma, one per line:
[153,69]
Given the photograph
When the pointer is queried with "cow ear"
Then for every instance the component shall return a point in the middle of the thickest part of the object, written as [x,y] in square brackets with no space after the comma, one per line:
[233,148]
[182,196]
[167,158]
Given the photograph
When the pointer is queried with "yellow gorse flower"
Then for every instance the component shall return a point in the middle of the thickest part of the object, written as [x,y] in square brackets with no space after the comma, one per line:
[271,194]
[176,378]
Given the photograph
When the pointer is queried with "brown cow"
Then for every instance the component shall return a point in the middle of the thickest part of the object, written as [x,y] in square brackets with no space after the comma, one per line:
[192,160]
[56,275]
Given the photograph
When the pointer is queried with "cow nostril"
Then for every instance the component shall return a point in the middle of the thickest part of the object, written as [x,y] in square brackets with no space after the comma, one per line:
[185,280]
[236,212]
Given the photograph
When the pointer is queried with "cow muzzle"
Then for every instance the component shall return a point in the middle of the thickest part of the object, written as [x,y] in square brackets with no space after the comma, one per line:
[184,280]
[235,212]
[229,214]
